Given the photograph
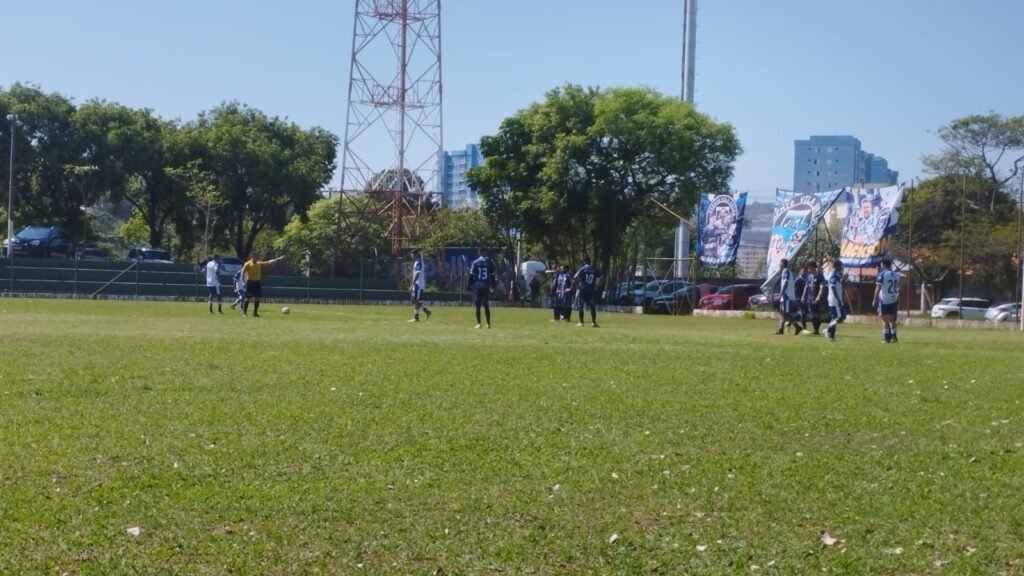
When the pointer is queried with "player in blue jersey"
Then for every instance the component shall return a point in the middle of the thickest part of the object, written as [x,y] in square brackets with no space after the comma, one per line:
[419,282]
[586,281]
[789,306]
[561,288]
[886,298]
[239,280]
[836,300]
[799,287]
[482,280]
[816,297]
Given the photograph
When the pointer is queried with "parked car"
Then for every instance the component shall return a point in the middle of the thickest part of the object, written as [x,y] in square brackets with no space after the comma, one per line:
[625,293]
[92,253]
[229,265]
[731,297]
[41,242]
[762,301]
[1002,312]
[679,301]
[150,255]
[967,308]
[656,288]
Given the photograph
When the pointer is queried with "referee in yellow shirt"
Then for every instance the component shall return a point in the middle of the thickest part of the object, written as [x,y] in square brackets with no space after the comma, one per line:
[252,270]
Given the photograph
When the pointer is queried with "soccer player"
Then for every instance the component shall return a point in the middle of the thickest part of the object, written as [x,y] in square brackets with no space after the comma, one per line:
[586,281]
[799,287]
[788,304]
[887,294]
[561,287]
[239,279]
[419,282]
[817,297]
[213,283]
[253,272]
[836,303]
[482,280]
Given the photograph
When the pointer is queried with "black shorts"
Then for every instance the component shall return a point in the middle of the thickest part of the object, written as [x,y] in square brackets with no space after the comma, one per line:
[481,295]
[586,298]
[253,289]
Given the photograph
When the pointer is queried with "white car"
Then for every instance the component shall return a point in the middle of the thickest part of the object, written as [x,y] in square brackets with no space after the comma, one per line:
[1002,313]
[966,308]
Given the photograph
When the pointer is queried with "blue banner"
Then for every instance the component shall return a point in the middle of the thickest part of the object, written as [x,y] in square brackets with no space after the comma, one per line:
[796,216]
[870,221]
[719,223]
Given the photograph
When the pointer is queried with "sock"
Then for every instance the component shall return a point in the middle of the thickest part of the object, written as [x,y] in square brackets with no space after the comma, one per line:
[782,324]
[593,315]
[256,307]
[893,332]
[478,314]
[487,314]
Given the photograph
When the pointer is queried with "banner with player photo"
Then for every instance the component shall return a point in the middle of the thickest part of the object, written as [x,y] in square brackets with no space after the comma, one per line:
[796,216]
[719,222]
[871,217]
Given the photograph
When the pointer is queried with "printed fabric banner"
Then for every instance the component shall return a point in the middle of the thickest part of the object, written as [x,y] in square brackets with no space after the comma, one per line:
[870,221]
[720,220]
[796,216]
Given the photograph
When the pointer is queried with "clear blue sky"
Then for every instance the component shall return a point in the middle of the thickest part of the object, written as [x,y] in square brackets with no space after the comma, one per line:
[887,71]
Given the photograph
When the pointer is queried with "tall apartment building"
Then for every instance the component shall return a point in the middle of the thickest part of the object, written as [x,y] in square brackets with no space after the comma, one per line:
[452,172]
[830,162]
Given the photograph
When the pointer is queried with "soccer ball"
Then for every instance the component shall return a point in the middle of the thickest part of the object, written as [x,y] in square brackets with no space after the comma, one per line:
[285,310]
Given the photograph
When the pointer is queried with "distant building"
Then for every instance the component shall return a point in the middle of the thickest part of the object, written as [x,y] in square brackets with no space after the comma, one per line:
[457,193]
[750,259]
[830,162]
[753,249]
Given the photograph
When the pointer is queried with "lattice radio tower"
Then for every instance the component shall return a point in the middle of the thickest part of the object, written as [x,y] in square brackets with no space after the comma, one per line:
[394,111]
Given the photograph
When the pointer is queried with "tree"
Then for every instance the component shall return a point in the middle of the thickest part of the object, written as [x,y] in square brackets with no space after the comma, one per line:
[934,251]
[130,150]
[204,196]
[982,147]
[466,227]
[316,234]
[51,183]
[266,169]
[575,171]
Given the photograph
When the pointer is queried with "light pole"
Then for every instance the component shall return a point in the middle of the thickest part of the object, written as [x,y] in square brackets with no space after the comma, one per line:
[13,119]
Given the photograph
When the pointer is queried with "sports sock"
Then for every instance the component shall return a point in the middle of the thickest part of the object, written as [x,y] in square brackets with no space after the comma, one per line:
[256,307]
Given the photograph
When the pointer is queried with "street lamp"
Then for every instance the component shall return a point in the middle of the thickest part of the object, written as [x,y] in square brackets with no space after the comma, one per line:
[13,119]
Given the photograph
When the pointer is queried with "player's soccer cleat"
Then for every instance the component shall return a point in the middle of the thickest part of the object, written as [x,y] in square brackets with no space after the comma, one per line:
[579,324]
[797,330]
[255,315]
[413,320]
[595,325]
[779,332]
[478,326]
[488,326]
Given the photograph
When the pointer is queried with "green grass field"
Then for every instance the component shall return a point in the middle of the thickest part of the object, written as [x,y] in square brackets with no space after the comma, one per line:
[343,440]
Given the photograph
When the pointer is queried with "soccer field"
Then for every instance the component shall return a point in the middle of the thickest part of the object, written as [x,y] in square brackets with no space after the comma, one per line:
[155,438]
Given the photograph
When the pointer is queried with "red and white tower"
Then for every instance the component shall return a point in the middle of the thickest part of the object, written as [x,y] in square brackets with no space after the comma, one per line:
[393,130]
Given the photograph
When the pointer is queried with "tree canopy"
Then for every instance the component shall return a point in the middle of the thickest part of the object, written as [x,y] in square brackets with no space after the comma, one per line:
[575,171]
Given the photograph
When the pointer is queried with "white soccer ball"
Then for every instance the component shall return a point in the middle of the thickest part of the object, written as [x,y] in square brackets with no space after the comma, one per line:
[285,310]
